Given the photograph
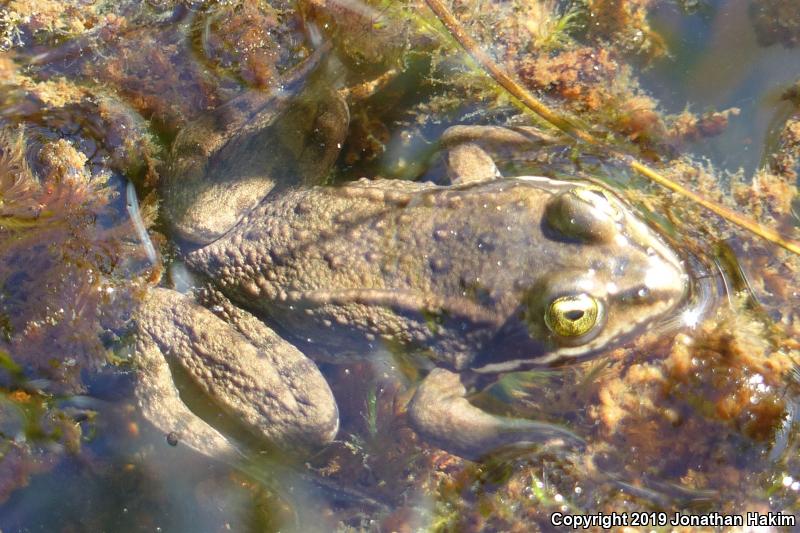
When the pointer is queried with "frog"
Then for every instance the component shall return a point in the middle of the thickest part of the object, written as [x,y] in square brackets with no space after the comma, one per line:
[475,277]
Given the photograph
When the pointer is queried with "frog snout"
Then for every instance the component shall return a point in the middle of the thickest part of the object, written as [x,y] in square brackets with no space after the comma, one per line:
[663,281]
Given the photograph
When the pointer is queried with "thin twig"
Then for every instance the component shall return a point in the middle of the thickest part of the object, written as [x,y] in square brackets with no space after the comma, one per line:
[569,127]
[730,215]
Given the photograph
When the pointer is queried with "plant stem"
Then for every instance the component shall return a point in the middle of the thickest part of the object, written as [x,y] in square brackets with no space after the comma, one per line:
[579,133]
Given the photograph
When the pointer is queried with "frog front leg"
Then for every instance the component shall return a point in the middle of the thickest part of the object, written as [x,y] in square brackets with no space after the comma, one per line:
[256,376]
[441,414]
[473,150]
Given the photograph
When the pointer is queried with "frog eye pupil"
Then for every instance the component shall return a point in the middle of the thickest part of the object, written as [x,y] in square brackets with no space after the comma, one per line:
[573,315]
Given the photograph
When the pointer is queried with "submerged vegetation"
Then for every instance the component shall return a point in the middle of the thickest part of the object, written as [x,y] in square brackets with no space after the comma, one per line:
[55,268]
[94,93]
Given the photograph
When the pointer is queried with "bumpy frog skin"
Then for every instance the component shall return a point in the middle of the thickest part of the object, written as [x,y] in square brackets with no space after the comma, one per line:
[486,275]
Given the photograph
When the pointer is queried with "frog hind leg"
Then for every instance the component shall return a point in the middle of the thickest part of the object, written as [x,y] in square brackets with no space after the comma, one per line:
[260,379]
[441,414]
[160,403]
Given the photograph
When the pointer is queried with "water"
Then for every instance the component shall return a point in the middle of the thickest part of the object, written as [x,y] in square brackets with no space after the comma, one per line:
[701,424]
[716,63]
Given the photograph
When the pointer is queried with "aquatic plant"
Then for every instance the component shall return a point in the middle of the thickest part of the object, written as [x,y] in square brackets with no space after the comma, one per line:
[10,32]
[776,21]
[551,27]
[690,408]
[58,293]
[583,134]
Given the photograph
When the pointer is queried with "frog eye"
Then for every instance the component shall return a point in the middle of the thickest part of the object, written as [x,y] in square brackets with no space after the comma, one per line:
[587,213]
[599,200]
[572,316]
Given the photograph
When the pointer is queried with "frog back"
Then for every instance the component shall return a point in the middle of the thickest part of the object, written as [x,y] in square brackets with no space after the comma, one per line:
[445,270]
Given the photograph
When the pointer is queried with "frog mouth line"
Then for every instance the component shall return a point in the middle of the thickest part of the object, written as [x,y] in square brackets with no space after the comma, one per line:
[707,287]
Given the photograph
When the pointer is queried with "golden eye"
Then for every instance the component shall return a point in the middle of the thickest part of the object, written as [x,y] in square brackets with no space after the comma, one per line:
[572,316]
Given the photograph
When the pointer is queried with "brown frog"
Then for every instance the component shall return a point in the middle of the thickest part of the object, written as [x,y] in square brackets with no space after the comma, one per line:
[488,274]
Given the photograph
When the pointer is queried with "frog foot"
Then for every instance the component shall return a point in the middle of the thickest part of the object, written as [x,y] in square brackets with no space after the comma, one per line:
[254,375]
[441,414]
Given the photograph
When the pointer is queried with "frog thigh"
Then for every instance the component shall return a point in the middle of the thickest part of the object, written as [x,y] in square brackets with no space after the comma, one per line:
[269,386]
[441,413]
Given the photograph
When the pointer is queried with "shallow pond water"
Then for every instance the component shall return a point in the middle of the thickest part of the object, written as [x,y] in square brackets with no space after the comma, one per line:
[696,422]
[717,63]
